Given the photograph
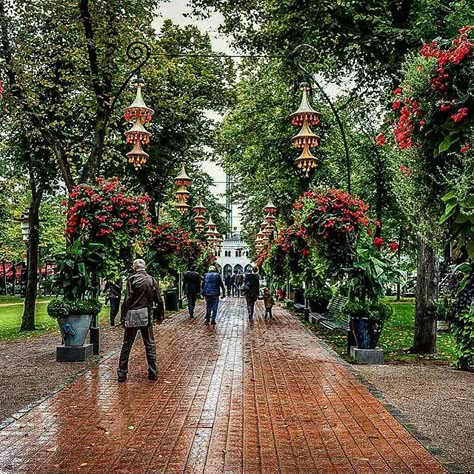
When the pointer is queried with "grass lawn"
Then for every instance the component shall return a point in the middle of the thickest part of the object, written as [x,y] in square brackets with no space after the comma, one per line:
[397,337]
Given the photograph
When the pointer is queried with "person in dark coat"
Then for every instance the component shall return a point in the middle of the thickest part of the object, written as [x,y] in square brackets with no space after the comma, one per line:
[211,289]
[228,283]
[113,290]
[141,292]
[238,281]
[252,290]
[232,284]
[191,288]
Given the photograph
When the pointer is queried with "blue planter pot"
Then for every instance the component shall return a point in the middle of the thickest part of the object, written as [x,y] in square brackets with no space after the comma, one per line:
[74,329]
[366,332]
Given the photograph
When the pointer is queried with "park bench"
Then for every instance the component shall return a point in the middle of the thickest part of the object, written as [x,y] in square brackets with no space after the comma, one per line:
[333,319]
[299,307]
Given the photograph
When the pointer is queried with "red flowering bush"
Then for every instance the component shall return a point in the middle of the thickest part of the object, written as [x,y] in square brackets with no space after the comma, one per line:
[102,211]
[434,104]
[106,213]
[331,220]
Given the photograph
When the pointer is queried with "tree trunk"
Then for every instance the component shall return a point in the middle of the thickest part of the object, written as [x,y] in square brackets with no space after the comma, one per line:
[426,286]
[28,318]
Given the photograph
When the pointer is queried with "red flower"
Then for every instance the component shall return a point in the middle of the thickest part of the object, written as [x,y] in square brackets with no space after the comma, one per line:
[305,252]
[378,242]
[461,113]
[393,246]
[380,139]
[464,149]
[445,107]
[405,170]
[397,91]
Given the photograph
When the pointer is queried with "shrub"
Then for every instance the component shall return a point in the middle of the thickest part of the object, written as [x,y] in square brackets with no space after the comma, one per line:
[59,308]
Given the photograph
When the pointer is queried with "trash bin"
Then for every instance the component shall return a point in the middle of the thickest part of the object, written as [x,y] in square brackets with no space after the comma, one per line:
[171,299]
[299,295]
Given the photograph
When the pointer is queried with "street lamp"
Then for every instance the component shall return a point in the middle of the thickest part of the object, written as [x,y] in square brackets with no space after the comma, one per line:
[183,181]
[139,114]
[24,221]
[306,139]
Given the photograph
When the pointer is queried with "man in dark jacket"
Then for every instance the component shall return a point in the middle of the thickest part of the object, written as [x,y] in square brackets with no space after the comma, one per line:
[113,290]
[191,288]
[211,288]
[251,289]
[238,281]
[142,291]
[228,283]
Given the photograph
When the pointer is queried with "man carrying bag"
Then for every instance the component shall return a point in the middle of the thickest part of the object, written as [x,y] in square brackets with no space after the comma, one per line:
[137,315]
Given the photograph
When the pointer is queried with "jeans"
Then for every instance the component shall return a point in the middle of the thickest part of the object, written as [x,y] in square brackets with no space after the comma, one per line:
[114,309]
[150,349]
[191,303]
[251,306]
[212,304]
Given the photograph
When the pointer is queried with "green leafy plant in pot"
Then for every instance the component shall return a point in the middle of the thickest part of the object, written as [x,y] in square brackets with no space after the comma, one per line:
[318,297]
[373,269]
[77,279]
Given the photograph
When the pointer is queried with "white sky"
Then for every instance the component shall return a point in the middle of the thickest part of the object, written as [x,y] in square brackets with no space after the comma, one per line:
[175,10]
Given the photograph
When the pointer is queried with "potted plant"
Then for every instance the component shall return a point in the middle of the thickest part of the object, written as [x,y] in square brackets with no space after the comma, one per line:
[367,321]
[74,318]
[318,297]
[372,270]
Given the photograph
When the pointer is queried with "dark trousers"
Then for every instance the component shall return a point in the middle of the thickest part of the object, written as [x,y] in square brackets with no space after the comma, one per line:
[268,313]
[237,290]
[150,349]
[229,290]
[191,303]
[114,309]
[251,306]
[212,305]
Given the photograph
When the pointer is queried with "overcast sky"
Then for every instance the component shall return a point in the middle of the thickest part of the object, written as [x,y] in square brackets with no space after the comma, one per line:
[175,10]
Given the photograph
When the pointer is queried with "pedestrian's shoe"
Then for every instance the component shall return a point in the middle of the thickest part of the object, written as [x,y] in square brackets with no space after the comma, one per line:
[121,378]
[213,321]
[207,321]
[152,376]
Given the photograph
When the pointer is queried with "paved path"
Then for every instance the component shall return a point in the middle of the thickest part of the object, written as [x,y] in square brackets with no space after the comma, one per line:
[238,397]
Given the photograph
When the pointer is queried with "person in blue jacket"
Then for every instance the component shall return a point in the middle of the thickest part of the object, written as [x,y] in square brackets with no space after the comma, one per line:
[212,285]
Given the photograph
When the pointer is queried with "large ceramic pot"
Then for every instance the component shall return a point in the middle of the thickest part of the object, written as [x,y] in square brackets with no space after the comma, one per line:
[366,332]
[74,329]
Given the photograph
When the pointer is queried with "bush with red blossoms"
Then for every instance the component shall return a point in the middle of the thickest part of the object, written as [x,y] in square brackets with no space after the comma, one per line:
[103,211]
[434,106]
[106,213]
[332,220]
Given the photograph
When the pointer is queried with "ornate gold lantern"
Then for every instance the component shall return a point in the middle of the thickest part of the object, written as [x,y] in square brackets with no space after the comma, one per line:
[306,139]
[182,194]
[139,114]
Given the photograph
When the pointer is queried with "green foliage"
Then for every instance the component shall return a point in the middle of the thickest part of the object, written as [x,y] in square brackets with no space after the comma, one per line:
[59,308]
[376,310]
[79,270]
[319,294]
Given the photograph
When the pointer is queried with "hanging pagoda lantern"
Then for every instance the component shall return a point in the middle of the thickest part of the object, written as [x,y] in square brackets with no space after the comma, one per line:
[138,113]
[199,218]
[305,117]
[270,208]
[182,194]
[211,233]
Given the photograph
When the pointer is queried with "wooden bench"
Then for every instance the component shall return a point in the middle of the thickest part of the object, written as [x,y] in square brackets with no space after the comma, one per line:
[333,319]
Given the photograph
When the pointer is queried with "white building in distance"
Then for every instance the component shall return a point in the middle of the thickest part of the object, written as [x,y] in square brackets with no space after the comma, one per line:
[234,256]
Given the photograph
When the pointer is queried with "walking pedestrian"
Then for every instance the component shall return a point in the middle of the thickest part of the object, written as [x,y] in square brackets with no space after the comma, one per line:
[232,284]
[252,289]
[228,283]
[113,291]
[211,289]
[191,288]
[268,302]
[238,280]
[141,292]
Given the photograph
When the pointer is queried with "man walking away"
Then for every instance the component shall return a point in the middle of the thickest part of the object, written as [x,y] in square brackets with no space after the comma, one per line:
[239,279]
[232,285]
[191,288]
[228,283]
[114,295]
[252,289]
[211,288]
[141,292]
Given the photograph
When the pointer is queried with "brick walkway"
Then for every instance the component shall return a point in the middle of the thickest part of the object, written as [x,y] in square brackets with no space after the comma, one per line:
[238,397]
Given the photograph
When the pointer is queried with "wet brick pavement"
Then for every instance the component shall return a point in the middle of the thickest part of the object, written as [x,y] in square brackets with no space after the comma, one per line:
[238,397]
